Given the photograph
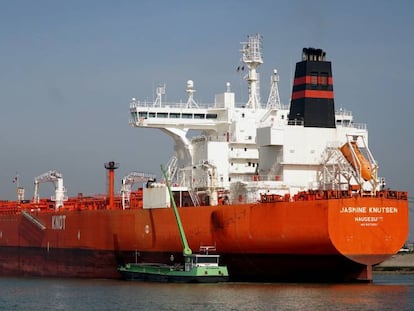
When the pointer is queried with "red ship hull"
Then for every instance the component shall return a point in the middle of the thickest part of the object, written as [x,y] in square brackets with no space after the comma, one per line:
[318,239]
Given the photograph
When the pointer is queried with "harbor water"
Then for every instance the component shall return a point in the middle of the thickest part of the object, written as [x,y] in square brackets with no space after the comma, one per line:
[387,292]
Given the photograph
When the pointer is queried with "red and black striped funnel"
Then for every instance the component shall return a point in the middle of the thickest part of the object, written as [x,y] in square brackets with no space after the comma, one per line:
[312,101]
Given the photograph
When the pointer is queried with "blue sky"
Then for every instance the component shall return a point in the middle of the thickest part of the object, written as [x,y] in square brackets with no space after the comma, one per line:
[69,68]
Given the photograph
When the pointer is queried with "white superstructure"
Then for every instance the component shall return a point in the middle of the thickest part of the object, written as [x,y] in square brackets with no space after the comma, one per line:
[247,149]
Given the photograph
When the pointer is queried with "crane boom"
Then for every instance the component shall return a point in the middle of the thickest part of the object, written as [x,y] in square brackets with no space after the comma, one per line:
[60,191]
[186,248]
[129,180]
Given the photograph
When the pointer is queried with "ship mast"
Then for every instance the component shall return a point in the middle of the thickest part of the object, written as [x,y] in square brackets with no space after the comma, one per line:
[274,98]
[111,166]
[252,57]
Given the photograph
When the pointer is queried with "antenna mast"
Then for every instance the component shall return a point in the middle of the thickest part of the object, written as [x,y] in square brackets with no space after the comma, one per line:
[252,57]
[274,99]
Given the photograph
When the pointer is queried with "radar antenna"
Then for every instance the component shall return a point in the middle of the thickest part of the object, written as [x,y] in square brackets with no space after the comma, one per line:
[190,92]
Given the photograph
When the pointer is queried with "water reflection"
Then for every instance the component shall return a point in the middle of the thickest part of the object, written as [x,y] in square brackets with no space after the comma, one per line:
[386,293]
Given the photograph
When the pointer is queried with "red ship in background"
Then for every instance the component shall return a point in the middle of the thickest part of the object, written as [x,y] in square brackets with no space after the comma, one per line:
[282,193]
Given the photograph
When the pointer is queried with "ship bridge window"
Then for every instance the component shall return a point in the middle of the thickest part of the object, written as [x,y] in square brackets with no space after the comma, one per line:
[343,122]
[174,115]
[187,115]
[162,115]
[211,116]
[199,116]
[207,260]
[151,115]
[142,114]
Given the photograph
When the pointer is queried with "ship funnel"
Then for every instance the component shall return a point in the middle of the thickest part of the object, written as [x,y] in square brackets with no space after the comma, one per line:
[312,101]
[312,54]
[111,166]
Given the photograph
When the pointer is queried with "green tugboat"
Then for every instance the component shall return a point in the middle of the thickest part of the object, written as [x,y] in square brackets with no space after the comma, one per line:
[197,268]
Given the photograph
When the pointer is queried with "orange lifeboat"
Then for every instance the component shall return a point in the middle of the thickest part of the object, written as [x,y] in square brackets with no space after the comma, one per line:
[361,163]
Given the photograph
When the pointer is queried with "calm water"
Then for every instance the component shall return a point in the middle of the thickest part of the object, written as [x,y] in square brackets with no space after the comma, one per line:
[388,292]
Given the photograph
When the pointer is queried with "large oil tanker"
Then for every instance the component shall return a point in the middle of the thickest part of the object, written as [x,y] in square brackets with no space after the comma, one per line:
[282,193]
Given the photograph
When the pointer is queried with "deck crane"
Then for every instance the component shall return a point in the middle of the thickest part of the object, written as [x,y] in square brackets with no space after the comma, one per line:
[128,181]
[60,191]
